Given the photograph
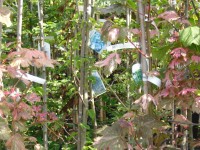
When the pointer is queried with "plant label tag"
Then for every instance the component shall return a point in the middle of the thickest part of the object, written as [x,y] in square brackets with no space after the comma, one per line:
[98,86]
[95,41]
[137,73]
[155,80]
[102,20]
[47,49]
[31,78]
[122,46]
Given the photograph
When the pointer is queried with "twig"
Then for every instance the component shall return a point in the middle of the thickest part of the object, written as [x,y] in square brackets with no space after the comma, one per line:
[24,93]
[145,55]
[54,133]
[114,93]
[179,122]
[66,131]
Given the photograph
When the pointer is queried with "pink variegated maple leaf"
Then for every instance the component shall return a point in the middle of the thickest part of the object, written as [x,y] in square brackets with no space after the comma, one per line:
[29,57]
[22,111]
[169,16]
[52,116]
[135,31]
[144,100]
[186,91]
[196,59]
[106,62]
[32,98]
[179,52]
[41,117]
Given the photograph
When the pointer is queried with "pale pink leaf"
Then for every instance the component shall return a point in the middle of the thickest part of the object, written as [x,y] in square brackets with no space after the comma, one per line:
[153,33]
[169,16]
[113,34]
[144,100]
[179,52]
[196,59]
[32,98]
[186,91]
[184,21]
[106,62]
[135,31]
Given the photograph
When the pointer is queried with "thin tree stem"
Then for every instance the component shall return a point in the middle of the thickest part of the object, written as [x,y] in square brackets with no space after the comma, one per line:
[19,24]
[41,16]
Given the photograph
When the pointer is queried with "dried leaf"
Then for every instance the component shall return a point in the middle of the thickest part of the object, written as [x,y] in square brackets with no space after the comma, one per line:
[180,119]
[113,137]
[32,139]
[128,115]
[5,16]
[144,100]
[145,125]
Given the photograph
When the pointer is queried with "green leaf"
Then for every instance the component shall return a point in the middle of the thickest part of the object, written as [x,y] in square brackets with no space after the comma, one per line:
[131,4]
[91,114]
[84,126]
[190,35]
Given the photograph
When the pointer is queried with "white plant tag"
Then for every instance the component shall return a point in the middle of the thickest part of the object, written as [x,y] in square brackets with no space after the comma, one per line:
[122,46]
[155,80]
[47,49]
[31,78]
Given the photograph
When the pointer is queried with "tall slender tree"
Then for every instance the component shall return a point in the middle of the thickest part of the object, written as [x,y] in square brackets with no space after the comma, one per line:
[19,24]
[83,100]
[41,16]
[1,4]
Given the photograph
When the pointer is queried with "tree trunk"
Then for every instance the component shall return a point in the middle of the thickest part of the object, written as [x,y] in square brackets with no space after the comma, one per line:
[143,45]
[19,24]
[83,100]
[1,4]
[41,16]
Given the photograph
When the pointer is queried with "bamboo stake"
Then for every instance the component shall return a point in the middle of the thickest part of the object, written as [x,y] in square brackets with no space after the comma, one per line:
[41,16]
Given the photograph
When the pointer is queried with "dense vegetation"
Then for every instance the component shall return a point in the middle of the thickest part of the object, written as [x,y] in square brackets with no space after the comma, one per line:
[118,74]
